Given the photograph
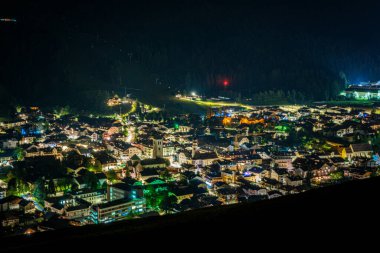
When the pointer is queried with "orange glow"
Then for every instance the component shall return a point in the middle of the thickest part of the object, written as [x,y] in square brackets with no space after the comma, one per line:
[227,121]
[251,121]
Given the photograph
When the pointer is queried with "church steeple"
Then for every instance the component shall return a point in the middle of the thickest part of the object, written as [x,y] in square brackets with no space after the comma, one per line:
[194,147]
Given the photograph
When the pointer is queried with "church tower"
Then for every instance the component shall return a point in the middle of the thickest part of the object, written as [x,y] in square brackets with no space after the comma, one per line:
[158,151]
[194,148]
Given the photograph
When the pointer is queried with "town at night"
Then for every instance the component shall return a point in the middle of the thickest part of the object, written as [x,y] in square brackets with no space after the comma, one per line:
[133,122]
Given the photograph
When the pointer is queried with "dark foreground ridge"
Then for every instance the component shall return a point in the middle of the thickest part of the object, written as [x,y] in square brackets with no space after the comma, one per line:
[350,209]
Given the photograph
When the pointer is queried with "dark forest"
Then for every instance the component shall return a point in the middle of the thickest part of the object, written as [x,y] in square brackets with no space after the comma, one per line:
[78,53]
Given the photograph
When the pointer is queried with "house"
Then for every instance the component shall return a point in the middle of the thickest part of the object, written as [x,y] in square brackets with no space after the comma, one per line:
[183,129]
[94,137]
[6,156]
[337,161]
[147,173]
[9,220]
[322,172]
[271,184]
[293,180]
[255,174]
[226,164]
[77,211]
[204,159]
[359,173]
[240,141]
[68,206]
[83,150]
[229,176]
[278,174]
[227,195]
[12,124]
[314,167]
[10,144]
[341,132]
[154,163]
[27,206]
[256,159]
[34,151]
[56,204]
[132,151]
[184,158]
[253,190]
[283,159]
[154,181]
[357,150]
[182,193]
[108,162]
[212,178]
[14,203]
[3,192]
[123,150]
[274,194]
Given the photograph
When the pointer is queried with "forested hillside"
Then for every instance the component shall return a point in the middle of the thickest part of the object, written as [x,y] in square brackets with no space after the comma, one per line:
[102,46]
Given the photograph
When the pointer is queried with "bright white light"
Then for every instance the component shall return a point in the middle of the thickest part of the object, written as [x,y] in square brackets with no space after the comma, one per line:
[193,94]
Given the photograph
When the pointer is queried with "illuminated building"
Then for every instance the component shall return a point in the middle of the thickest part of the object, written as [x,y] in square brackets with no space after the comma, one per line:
[157,148]
[114,101]
[227,195]
[117,210]
[34,151]
[357,150]
[123,191]
[210,113]
[183,193]
[204,158]
[283,160]
[91,196]
[8,125]
[251,121]
[229,176]
[362,92]
[227,121]
[10,144]
[3,192]
[194,148]
[183,129]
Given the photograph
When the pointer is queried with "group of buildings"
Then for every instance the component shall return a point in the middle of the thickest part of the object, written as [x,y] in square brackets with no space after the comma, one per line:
[150,168]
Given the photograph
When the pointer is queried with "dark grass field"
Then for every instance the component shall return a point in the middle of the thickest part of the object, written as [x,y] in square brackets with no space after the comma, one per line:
[319,216]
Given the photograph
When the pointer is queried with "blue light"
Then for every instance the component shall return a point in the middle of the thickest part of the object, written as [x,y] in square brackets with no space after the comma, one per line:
[247,174]
[376,158]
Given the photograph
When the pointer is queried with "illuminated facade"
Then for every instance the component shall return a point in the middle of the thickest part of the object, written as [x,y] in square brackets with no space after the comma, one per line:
[117,210]
[251,121]
[363,92]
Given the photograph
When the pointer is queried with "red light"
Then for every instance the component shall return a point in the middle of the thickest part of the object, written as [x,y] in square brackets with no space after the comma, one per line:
[226,83]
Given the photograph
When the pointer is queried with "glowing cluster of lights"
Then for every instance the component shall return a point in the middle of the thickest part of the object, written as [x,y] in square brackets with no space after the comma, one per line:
[251,121]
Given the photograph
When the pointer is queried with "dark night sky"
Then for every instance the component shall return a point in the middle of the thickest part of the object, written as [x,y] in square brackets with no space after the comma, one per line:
[104,45]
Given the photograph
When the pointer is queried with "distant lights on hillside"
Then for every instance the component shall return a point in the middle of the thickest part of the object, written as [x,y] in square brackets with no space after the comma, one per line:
[12,20]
